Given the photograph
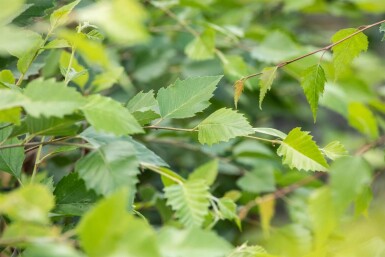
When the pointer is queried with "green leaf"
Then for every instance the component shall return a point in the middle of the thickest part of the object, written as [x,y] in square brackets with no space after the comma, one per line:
[334,150]
[50,98]
[142,102]
[11,115]
[112,17]
[190,200]
[248,251]
[185,98]
[382,29]
[30,203]
[168,176]
[222,125]
[52,126]
[349,177]
[313,82]
[260,179]
[108,115]
[51,249]
[191,242]
[109,230]
[143,154]
[266,80]
[322,215]
[361,118]
[10,10]
[346,51]
[57,43]
[362,202]
[72,196]
[15,40]
[266,211]
[228,210]
[109,167]
[29,55]
[144,107]
[202,47]
[11,159]
[60,16]
[207,172]
[301,152]
[77,74]
[271,132]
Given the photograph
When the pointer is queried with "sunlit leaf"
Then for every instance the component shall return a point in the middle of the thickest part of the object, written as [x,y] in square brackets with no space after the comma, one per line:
[266,211]
[301,152]
[60,16]
[266,80]
[207,172]
[202,47]
[334,150]
[222,125]
[361,118]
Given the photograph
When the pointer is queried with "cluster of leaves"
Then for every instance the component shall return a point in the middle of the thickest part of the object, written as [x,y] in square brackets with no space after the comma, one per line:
[93,117]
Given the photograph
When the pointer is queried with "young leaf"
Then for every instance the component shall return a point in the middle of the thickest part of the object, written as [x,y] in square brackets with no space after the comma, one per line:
[238,89]
[50,98]
[249,251]
[108,115]
[11,159]
[185,98]
[271,132]
[334,150]
[313,83]
[109,167]
[30,203]
[228,210]
[52,249]
[267,78]
[190,200]
[77,74]
[301,152]
[361,118]
[192,242]
[260,179]
[349,177]
[202,47]
[144,107]
[266,211]
[60,16]
[222,125]
[346,51]
[109,230]
[207,172]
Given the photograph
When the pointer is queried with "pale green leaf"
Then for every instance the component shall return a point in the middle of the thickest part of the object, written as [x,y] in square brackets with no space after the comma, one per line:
[52,249]
[361,118]
[108,115]
[322,215]
[382,29]
[109,167]
[6,77]
[202,47]
[266,211]
[271,132]
[50,98]
[60,16]
[362,202]
[15,40]
[10,10]
[168,176]
[144,155]
[52,126]
[207,172]
[248,251]
[228,210]
[30,203]
[11,115]
[345,52]
[11,159]
[142,102]
[334,150]
[77,74]
[222,125]
[57,43]
[301,152]
[192,242]
[266,80]
[349,177]
[123,21]
[276,47]
[190,200]
[313,82]
[107,78]
[185,98]
[260,179]
[108,230]
[33,231]
[10,99]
